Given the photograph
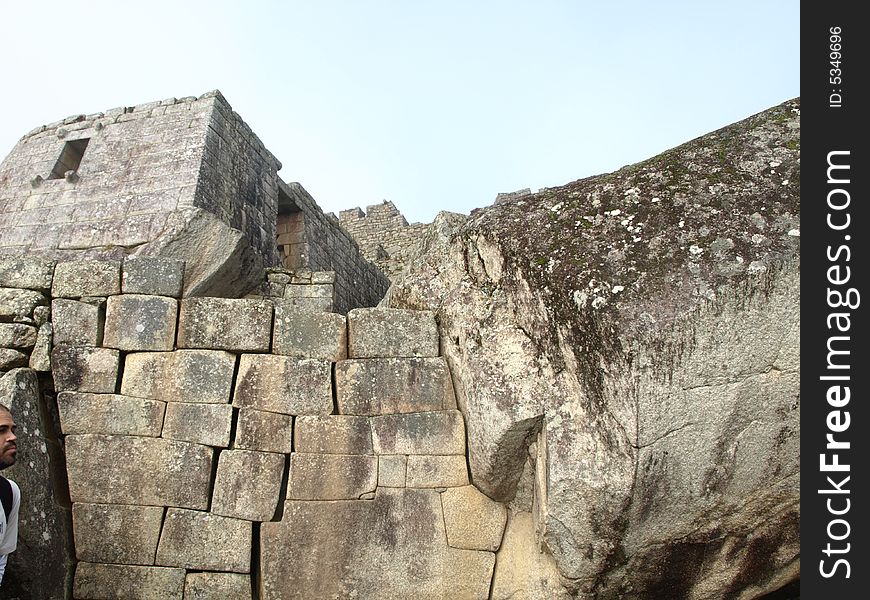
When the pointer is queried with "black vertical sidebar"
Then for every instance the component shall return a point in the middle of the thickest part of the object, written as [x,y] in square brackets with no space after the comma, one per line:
[835,227]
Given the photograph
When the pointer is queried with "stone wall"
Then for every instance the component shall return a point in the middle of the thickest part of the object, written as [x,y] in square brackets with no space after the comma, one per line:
[245,448]
[184,178]
[323,245]
[383,234]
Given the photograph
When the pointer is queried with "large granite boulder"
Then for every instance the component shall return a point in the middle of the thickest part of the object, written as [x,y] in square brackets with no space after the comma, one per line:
[639,330]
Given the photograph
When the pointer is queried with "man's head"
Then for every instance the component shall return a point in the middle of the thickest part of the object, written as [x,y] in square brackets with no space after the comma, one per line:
[8,440]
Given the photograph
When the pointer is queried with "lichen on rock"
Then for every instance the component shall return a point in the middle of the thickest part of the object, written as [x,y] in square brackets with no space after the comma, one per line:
[642,327]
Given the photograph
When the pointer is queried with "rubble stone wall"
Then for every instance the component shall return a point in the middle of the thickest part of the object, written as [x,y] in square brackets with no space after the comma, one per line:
[383,234]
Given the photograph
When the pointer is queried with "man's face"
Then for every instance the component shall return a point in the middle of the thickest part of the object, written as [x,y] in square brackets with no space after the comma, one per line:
[8,445]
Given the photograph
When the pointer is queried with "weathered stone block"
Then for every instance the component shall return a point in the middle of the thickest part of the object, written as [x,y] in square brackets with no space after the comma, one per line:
[308,291]
[302,557]
[17,335]
[136,322]
[309,304]
[204,541]
[115,469]
[110,414]
[18,305]
[182,376]
[116,533]
[127,582]
[333,434]
[84,369]
[29,272]
[86,278]
[436,471]
[12,359]
[264,431]
[247,484]
[419,433]
[77,323]
[391,332]
[391,470]
[226,324]
[217,586]
[309,334]
[323,277]
[40,357]
[472,520]
[331,476]
[207,424]
[393,385]
[150,275]
[293,386]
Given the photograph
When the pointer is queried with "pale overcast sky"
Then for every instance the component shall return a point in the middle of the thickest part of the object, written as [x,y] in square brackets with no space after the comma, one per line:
[433,105]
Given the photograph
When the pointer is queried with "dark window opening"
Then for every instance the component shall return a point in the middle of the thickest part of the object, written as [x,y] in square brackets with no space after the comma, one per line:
[70,158]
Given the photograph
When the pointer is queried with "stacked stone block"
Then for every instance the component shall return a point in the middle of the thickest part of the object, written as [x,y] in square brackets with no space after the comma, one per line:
[141,165]
[193,428]
[326,246]
[25,333]
[301,288]
[384,235]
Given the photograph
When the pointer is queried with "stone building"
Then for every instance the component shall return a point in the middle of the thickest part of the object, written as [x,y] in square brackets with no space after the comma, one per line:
[179,178]
[383,234]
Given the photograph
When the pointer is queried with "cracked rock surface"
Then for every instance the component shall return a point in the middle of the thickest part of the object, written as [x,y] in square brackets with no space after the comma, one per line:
[639,330]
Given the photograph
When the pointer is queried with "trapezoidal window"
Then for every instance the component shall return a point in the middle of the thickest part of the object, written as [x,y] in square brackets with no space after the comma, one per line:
[70,158]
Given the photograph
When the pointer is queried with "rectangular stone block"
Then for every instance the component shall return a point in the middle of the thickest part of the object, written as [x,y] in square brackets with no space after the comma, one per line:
[204,541]
[331,476]
[83,369]
[391,332]
[242,325]
[127,582]
[308,291]
[86,278]
[391,470]
[436,471]
[17,335]
[293,386]
[116,469]
[309,304]
[333,434]
[151,275]
[116,533]
[248,484]
[419,433]
[377,386]
[182,376]
[207,424]
[77,323]
[309,334]
[217,586]
[136,322]
[28,272]
[111,414]
[264,431]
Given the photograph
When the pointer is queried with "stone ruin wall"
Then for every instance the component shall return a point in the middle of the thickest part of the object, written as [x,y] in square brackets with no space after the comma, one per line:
[234,448]
[179,178]
[307,236]
[384,235]
[141,164]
